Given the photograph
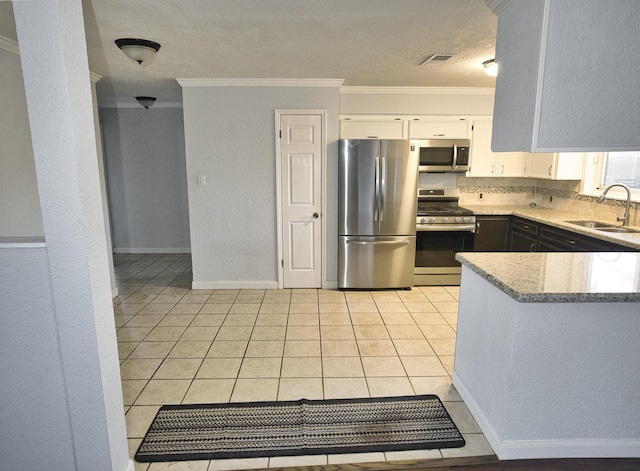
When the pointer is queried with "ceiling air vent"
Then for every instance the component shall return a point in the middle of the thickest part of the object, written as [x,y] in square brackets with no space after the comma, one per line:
[436,58]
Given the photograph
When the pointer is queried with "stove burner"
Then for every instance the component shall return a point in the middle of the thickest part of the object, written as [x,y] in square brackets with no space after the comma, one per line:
[440,206]
[430,209]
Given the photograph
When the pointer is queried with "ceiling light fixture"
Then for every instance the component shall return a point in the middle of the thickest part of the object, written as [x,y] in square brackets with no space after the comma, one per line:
[491,67]
[146,101]
[139,50]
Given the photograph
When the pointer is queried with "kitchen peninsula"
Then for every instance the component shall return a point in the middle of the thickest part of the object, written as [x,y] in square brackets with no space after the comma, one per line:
[547,352]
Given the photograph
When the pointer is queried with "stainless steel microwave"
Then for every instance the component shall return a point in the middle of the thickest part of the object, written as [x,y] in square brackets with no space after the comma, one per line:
[443,155]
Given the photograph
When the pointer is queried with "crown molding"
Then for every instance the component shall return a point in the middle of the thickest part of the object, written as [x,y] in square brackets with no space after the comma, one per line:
[9,45]
[258,82]
[498,5]
[419,90]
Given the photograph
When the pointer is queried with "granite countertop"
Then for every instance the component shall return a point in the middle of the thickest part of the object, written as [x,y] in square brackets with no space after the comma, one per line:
[555,218]
[559,277]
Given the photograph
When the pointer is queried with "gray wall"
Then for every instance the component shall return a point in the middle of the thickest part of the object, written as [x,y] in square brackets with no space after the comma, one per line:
[230,138]
[146,177]
[19,202]
[34,406]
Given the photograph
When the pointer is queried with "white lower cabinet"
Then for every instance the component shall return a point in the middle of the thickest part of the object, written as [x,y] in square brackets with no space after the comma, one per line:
[485,162]
[555,166]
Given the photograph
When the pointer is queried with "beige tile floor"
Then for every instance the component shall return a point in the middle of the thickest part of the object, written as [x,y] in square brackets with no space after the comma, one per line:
[180,346]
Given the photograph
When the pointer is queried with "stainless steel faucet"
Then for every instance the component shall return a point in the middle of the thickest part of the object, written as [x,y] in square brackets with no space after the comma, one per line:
[625,218]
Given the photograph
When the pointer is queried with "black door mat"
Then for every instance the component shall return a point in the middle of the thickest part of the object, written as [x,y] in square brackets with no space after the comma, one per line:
[304,427]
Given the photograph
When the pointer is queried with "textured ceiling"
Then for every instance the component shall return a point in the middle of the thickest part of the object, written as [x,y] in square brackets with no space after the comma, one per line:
[364,42]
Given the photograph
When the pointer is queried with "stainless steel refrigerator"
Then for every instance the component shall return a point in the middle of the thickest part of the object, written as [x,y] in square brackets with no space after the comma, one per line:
[378,182]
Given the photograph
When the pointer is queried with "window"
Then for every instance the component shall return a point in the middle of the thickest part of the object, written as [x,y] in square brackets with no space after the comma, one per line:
[622,167]
[606,168]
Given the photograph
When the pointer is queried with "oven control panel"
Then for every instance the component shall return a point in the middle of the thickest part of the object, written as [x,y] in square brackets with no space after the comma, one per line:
[446,220]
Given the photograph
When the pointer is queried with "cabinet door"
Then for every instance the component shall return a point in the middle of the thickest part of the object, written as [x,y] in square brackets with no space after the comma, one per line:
[438,130]
[522,243]
[482,159]
[539,165]
[491,234]
[356,129]
[568,166]
[558,166]
[510,164]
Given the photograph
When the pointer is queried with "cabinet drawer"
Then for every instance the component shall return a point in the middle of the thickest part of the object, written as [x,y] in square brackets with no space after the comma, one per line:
[554,239]
[440,130]
[527,227]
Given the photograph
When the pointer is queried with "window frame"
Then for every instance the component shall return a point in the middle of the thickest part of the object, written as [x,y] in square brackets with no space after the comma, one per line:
[593,176]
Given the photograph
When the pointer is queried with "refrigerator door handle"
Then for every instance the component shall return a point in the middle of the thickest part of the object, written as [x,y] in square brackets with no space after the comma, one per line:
[379,242]
[383,187]
[376,194]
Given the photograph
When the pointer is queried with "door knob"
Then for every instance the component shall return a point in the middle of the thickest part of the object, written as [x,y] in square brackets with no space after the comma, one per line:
[316,215]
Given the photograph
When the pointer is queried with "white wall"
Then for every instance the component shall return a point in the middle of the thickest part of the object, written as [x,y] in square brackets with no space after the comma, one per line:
[229,134]
[415,100]
[146,178]
[19,203]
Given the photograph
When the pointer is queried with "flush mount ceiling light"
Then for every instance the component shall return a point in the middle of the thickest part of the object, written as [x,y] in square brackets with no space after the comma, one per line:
[491,67]
[139,50]
[146,101]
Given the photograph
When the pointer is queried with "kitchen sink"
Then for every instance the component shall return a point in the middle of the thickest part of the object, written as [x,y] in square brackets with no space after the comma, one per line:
[593,224]
[617,229]
[604,227]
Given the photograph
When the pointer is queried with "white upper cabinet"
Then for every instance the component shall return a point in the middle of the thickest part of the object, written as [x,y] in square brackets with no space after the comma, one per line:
[485,162]
[555,166]
[373,127]
[445,129]
[568,78]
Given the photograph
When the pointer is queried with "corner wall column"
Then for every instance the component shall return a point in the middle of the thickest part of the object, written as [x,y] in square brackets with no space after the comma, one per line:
[56,77]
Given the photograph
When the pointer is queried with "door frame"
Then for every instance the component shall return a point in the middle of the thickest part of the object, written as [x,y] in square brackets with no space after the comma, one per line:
[323,189]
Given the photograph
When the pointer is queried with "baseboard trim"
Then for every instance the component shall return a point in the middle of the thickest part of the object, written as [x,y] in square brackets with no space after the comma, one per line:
[152,250]
[535,449]
[114,292]
[131,466]
[234,284]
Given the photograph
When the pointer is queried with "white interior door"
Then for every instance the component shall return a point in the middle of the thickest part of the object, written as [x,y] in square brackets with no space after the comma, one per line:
[301,177]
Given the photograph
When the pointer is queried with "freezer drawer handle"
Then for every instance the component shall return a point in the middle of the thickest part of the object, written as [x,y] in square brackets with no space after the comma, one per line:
[380,242]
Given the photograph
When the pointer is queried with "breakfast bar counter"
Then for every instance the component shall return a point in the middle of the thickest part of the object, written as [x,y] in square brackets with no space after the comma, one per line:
[548,352]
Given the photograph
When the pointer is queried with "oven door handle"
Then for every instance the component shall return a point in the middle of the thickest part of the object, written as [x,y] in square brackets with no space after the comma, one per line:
[446,227]
[379,242]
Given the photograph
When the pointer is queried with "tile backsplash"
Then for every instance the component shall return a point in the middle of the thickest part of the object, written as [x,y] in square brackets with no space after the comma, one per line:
[560,195]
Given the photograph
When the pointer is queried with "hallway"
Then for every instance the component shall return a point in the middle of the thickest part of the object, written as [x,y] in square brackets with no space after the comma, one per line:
[179,345]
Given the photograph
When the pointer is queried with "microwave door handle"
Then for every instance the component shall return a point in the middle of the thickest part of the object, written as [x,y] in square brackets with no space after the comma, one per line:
[454,162]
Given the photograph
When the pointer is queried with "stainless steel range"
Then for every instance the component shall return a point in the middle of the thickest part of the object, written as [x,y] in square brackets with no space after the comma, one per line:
[442,229]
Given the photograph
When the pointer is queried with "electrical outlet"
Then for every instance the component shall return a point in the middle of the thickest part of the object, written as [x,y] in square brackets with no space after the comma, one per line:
[550,199]
[480,195]
[202,180]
